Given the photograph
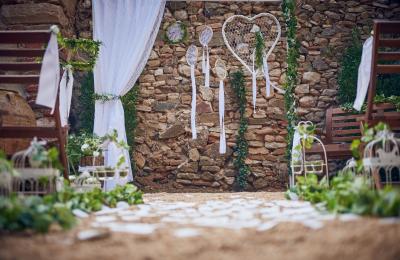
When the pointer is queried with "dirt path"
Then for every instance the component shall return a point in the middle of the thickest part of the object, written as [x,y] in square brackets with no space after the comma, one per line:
[362,238]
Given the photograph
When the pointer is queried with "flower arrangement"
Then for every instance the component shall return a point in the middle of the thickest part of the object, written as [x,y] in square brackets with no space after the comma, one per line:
[88,149]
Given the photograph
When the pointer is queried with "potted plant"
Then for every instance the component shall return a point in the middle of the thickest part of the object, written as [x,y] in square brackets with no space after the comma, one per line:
[122,169]
[92,152]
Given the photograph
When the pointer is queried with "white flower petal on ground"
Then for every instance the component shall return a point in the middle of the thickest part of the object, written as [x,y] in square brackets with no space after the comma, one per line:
[186,232]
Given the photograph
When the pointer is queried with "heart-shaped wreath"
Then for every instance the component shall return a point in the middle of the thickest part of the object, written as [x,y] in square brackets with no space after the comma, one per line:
[251,41]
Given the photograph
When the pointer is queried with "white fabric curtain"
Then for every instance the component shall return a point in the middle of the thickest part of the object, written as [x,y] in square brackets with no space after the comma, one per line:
[49,73]
[127,30]
[364,74]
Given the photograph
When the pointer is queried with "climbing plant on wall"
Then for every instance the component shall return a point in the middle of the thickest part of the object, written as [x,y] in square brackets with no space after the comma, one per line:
[289,12]
[238,85]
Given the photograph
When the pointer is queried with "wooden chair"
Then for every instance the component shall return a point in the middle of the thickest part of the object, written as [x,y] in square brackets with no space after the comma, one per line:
[383,49]
[26,71]
[342,127]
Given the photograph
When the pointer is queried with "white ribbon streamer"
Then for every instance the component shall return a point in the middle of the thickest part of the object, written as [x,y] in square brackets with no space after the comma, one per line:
[193,112]
[364,74]
[205,66]
[221,108]
[66,85]
[49,73]
[267,79]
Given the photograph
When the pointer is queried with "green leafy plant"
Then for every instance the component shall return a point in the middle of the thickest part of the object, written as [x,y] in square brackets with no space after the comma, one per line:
[289,12]
[259,50]
[39,213]
[77,47]
[6,165]
[238,84]
[368,134]
[33,212]
[348,194]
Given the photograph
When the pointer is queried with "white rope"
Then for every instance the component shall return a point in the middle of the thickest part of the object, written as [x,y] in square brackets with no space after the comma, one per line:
[193,112]
[221,108]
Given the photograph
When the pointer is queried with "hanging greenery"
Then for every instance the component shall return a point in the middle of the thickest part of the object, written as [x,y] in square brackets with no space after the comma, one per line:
[289,12]
[129,102]
[260,46]
[238,84]
[86,104]
[77,48]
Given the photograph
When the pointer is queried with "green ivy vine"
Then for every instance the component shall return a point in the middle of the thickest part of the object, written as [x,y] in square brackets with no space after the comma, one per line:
[260,46]
[89,49]
[289,12]
[238,84]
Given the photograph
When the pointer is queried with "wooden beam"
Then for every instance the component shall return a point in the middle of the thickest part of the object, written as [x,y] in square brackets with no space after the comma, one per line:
[42,36]
[21,52]
[387,69]
[18,66]
[28,132]
[19,79]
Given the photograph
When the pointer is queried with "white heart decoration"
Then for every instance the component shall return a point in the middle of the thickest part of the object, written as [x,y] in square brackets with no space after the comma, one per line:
[239,34]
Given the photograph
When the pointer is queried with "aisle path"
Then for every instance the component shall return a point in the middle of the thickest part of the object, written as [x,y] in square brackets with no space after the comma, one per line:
[212,226]
[187,215]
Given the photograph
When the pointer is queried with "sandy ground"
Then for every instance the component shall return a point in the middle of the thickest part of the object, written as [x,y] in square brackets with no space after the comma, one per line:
[365,239]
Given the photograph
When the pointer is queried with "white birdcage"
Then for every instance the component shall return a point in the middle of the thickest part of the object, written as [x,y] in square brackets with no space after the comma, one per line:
[382,159]
[33,180]
[300,164]
[350,167]
[5,183]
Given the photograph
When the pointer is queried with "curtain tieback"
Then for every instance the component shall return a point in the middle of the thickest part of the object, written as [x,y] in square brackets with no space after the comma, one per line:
[105,97]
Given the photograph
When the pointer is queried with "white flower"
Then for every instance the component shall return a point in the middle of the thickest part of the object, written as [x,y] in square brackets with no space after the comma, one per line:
[84,147]
[96,153]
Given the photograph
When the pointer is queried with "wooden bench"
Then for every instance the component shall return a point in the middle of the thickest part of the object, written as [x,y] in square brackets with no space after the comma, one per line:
[342,127]
[24,69]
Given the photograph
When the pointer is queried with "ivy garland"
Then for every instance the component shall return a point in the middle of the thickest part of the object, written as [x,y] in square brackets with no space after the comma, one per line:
[77,47]
[260,46]
[105,97]
[289,12]
[238,85]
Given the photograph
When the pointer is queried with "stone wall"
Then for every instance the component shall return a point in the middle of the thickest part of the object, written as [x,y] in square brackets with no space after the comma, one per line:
[166,156]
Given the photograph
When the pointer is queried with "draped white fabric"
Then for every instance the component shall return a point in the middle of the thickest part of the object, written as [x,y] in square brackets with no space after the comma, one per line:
[127,30]
[364,74]
[66,84]
[193,111]
[49,73]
